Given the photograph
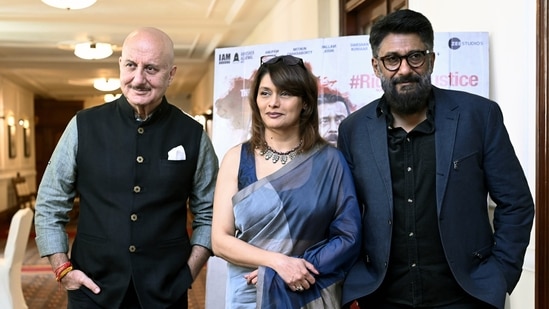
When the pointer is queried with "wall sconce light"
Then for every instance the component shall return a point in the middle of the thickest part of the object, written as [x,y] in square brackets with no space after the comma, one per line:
[24,123]
[11,121]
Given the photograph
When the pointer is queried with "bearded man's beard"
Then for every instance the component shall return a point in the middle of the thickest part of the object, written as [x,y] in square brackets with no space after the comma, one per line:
[412,98]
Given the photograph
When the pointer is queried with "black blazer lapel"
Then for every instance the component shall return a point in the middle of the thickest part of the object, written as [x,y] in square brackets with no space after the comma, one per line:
[378,139]
[446,122]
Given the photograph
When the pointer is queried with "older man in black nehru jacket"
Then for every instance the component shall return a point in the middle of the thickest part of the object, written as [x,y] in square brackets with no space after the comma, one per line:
[136,163]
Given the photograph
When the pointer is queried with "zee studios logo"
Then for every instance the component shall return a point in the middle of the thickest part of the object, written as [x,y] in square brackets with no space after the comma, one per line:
[456,43]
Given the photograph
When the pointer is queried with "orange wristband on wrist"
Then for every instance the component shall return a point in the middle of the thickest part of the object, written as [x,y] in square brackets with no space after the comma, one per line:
[61,271]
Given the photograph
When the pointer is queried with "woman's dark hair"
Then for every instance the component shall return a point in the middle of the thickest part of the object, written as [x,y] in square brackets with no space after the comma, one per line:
[402,22]
[289,74]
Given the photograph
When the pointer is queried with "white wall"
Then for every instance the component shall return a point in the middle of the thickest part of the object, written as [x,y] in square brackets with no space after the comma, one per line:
[512,28]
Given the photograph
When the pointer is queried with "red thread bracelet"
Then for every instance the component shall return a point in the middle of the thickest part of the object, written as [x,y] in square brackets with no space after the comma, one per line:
[62,270]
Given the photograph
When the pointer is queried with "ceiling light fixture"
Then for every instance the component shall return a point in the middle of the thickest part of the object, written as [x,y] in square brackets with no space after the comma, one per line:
[111,97]
[70,4]
[93,50]
[106,84]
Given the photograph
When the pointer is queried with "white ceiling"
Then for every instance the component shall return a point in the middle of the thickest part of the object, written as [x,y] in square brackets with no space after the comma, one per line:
[36,40]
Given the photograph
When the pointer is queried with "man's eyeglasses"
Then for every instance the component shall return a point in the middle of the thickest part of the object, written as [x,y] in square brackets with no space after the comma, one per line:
[286,59]
[415,59]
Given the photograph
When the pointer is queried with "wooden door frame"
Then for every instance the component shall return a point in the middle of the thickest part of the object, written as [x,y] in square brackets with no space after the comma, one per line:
[542,157]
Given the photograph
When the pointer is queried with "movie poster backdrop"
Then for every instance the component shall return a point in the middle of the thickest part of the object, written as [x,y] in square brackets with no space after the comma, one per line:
[343,66]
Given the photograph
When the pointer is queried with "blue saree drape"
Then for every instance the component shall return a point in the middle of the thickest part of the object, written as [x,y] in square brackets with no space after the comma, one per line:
[306,209]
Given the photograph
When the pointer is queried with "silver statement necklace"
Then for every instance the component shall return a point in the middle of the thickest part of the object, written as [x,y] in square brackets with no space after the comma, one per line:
[270,153]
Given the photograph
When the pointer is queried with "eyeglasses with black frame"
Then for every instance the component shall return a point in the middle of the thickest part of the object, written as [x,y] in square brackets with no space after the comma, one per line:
[414,59]
[286,59]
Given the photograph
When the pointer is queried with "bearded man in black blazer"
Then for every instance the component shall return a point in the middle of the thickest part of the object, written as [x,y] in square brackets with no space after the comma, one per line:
[425,161]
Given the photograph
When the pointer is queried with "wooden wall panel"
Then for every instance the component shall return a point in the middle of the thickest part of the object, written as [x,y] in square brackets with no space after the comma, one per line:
[51,118]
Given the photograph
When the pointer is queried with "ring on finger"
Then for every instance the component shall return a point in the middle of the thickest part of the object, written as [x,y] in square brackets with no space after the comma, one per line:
[299,288]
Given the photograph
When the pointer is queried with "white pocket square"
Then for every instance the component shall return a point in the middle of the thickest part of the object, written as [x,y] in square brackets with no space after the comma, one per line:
[177,154]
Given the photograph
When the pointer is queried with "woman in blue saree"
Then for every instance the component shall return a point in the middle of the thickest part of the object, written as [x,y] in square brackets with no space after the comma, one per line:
[286,216]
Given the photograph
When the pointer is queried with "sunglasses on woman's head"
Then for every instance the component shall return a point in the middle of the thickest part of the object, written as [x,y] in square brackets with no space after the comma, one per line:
[286,59]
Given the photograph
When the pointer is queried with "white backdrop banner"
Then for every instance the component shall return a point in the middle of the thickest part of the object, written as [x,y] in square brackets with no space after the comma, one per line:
[343,67]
